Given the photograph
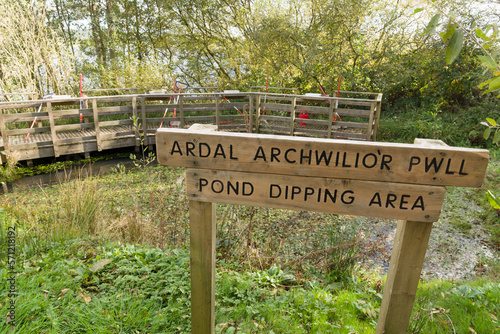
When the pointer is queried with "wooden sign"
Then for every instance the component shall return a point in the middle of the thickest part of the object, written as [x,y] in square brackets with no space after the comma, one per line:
[331,158]
[351,197]
[387,180]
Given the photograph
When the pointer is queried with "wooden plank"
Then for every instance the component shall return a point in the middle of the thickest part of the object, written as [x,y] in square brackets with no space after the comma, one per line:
[355,102]
[164,119]
[20,105]
[24,119]
[96,124]
[209,97]
[113,99]
[329,195]
[312,121]
[117,122]
[277,107]
[353,112]
[160,108]
[335,134]
[407,258]
[114,135]
[277,98]
[73,126]
[118,142]
[376,161]
[74,140]
[202,245]
[270,118]
[30,115]
[52,128]
[27,130]
[115,110]
[312,109]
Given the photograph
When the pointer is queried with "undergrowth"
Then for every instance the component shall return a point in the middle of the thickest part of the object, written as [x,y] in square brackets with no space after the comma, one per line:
[108,254]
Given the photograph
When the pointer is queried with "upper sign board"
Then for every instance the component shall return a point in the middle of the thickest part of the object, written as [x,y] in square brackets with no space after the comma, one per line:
[331,158]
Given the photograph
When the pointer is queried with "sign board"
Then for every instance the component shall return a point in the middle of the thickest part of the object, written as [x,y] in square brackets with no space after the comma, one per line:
[330,158]
[387,180]
[352,197]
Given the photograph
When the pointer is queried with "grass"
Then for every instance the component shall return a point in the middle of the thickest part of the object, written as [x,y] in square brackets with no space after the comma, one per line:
[109,255]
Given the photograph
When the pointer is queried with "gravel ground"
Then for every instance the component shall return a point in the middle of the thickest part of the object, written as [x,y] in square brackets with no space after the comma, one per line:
[451,254]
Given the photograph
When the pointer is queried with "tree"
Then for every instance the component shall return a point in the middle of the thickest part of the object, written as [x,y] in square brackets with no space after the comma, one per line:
[33,56]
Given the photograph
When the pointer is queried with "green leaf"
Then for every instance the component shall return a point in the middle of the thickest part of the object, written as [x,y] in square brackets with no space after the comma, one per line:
[480,34]
[494,200]
[417,10]
[487,133]
[495,31]
[494,85]
[454,46]
[431,27]
[488,61]
[446,35]
[496,138]
[482,84]
[491,121]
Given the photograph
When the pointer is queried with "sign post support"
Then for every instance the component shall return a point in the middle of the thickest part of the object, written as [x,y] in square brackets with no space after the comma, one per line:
[202,246]
[385,180]
[407,259]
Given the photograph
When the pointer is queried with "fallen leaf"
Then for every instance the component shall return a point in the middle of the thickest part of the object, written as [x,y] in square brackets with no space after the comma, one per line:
[85,297]
[63,291]
[99,265]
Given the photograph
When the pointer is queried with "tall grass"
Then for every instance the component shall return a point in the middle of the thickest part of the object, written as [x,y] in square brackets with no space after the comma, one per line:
[81,206]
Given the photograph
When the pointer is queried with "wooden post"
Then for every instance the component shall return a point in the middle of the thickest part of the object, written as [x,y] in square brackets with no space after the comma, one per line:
[257,114]
[52,128]
[407,259]
[143,122]
[5,138]
[331,111]
[377,117]
[137,146]
[217,111]
[250,112]
[181,111]
[202,244]
[369,132]
[292,115]
[96,124]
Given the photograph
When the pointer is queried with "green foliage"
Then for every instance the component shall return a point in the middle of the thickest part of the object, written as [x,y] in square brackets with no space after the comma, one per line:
[493,130]
[463,308]
[454,46]
[493,200]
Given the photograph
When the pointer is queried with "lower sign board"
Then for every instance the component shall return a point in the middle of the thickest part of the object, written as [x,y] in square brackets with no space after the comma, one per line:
[340,196]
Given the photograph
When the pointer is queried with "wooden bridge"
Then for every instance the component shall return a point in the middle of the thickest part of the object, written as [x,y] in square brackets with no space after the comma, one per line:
[55,127]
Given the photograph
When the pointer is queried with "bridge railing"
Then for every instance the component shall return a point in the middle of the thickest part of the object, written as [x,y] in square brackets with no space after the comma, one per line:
[46,128]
